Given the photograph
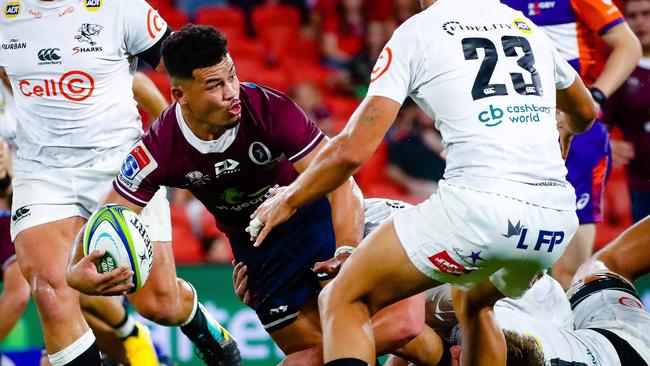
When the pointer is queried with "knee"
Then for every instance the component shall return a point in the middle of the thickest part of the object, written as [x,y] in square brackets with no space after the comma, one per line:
[160,305]
[328,300]
[52,294]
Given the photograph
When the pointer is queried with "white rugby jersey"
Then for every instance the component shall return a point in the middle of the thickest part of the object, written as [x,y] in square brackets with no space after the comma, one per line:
[7,115]
[560,346]
[71,68]
[488,76]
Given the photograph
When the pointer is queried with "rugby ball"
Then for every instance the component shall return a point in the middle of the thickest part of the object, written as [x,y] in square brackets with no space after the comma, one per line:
[122,234]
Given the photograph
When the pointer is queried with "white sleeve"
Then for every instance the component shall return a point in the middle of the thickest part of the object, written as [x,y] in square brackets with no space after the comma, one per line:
[565,75]
[395,70]
[143,26]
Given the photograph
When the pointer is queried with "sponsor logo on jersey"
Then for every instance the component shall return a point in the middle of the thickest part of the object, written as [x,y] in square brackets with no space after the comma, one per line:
[74,85]
[522,25]
[445,263]
[136,161]
[79,49]
[92,5]
[155,23]
[630,302]
[382,64]
[235,200]
[548,238]
[535,8]
[21,213]
[35,14]
[136,166]
[196,179]
[259,153]
[87,31]
[454,27]
[14,44]
[516,114]
[12,9]
[227,166]
[583,201]
[68,10]
[49,56]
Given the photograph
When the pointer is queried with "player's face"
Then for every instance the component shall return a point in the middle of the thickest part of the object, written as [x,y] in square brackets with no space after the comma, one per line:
[212,97]
[637,14]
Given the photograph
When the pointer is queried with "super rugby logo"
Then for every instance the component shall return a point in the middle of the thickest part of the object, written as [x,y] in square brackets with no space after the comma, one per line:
[12,9]
[87,31]
[74,85]
[135,167]
[135,162]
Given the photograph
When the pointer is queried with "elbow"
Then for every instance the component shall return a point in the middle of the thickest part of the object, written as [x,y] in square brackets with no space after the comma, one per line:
[584,119]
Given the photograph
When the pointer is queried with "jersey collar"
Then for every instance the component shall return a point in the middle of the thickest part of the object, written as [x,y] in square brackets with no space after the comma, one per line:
[205,147]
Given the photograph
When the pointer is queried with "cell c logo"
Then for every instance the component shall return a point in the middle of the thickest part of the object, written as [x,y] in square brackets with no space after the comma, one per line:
[73,85]
[629,302]
[154,23]
[382,65]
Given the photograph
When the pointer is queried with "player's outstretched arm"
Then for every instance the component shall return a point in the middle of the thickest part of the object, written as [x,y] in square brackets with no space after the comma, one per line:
[82,274]
[626,255]
[333,165]
[623,58]
[147,95]
[13,299]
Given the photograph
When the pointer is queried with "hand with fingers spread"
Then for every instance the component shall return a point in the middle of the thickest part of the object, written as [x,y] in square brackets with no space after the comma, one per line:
[240,282]
[271,213]
[84,277]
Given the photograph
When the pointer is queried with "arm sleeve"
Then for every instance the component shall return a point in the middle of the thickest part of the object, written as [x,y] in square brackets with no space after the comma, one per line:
[598,15]
[565,75]
[143,26]
[297,135]
[397,66]
[139,176]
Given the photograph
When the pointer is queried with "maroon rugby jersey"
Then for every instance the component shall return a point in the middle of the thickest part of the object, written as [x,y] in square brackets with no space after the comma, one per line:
[231,176]
[629,108]
[7,251]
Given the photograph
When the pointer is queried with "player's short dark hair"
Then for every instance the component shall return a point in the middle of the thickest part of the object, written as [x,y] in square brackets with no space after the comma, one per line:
[193,47]
[522,350]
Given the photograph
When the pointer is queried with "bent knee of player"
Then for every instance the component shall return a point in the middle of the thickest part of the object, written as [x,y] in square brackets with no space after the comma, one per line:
[161,306]
[52,294]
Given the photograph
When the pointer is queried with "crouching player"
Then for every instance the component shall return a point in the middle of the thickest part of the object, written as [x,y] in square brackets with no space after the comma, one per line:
[609,324]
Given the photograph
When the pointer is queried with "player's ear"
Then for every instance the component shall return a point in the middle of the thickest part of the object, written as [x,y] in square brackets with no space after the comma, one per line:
[178,94]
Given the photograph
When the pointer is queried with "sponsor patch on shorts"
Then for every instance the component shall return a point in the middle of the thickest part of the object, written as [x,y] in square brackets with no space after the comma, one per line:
[445,263]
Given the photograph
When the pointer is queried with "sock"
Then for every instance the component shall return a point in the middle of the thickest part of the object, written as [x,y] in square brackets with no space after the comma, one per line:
[126,328]
[347,362]
[82,352]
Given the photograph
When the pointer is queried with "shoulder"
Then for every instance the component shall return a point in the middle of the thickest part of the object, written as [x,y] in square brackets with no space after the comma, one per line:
[265,102]
[161,132]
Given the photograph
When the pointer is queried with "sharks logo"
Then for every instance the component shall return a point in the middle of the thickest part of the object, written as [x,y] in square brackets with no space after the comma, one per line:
[86,31]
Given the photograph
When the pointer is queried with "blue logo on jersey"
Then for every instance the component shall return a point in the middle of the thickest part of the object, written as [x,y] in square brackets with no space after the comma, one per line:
[130,167]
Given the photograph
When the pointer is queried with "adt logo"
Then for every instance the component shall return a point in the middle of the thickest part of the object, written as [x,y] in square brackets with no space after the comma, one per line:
[134,163]
[492,117]
[12,9]
[92,5]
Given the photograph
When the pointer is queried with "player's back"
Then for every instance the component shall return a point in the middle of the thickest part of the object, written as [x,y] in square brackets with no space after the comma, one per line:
[489,77]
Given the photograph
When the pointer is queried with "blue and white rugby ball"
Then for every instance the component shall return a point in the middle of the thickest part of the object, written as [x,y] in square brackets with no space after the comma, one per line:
[122,234]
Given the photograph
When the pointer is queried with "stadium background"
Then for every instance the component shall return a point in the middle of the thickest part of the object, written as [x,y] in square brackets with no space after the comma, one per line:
[320,52]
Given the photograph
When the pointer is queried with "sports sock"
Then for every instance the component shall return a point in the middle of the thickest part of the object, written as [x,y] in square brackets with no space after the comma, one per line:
[126,328]
[347,362]
[82,352]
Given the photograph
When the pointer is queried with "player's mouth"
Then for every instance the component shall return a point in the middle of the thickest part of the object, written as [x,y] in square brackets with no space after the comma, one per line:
[235,108]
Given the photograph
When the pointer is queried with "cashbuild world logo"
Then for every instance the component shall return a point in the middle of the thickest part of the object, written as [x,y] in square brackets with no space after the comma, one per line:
[523,113]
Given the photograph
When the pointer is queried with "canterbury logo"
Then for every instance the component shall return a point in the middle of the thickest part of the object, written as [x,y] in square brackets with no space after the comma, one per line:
[48,54]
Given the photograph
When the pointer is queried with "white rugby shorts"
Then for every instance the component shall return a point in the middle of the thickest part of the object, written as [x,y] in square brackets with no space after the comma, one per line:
[58,194]
[462,237]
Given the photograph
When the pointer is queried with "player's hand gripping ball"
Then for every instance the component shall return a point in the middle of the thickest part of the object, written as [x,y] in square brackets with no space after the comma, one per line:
[122,234]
